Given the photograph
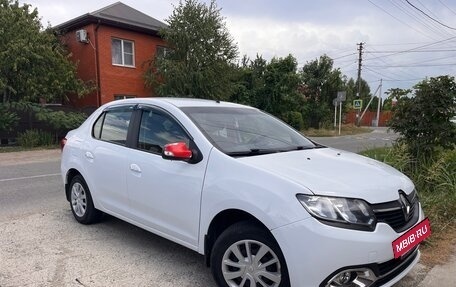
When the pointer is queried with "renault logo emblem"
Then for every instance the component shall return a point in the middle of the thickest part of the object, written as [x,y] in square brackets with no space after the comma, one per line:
[406,206]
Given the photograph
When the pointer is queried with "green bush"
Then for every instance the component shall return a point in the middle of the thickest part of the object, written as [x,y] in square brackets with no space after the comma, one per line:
[8,118]
[434,177]
[34,138]
[423,120]
[294,119]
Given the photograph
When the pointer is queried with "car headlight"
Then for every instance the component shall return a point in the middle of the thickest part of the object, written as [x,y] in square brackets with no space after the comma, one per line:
[340,212]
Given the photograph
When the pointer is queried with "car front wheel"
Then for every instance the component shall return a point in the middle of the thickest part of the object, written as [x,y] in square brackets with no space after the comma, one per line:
[81,202]
[246,255]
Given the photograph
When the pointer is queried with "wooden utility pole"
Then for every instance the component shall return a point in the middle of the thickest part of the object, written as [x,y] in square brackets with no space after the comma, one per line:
[360,61]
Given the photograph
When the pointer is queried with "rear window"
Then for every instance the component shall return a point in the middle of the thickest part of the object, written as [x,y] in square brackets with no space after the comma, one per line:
[112,125]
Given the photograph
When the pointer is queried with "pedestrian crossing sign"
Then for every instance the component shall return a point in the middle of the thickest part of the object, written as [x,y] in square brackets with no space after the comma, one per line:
[357,104]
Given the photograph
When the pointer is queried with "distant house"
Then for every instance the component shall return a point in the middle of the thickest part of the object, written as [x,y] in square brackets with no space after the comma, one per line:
[110,46]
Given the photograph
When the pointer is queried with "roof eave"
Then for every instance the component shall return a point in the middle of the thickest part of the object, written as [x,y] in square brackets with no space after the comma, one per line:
[87,19]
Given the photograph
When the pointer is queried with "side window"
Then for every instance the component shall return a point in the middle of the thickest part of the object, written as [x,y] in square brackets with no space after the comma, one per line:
[113,125]
[158,129]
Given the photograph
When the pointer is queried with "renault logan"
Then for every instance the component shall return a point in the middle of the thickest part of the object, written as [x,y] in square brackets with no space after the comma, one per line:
[265,205]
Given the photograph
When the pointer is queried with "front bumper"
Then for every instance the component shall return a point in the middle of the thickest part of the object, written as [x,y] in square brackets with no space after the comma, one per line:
[314,252]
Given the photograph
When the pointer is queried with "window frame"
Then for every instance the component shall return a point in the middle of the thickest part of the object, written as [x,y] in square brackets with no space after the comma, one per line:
[141,109]
[165,51]
[122,52]
[102,117]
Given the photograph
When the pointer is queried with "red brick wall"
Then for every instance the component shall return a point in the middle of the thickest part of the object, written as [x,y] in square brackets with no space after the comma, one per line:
[385,116]
[84,56]
[124,80]
[113,79]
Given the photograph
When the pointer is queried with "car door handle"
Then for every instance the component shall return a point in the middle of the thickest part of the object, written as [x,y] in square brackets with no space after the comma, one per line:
[135,168]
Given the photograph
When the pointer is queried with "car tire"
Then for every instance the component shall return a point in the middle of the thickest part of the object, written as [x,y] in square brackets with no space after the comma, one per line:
[234,262]
[81,202]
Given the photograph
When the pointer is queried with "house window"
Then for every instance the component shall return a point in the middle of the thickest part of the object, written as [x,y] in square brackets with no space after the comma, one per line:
[162,51]
[123,97]
[123,53]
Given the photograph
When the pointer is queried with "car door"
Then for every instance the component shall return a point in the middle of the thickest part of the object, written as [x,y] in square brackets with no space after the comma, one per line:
[106,160]
[164,194]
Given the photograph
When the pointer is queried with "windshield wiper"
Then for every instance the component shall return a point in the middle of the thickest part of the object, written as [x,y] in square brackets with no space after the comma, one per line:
[252,152]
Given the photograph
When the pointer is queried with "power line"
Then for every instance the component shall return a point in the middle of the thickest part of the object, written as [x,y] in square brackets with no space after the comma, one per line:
[447,7]
[407,80]
[412,65]
[430,26]
[416,48]
[427,15]
[378,73]
[344,56]
[419,51]
[411,27]
[397,44]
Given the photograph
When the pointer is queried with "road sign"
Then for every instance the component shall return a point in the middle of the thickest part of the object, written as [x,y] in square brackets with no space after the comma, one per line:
[341,96]
[357,104]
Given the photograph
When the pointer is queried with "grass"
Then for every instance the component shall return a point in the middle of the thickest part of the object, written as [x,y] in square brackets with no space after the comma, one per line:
[345,130]
[435,180]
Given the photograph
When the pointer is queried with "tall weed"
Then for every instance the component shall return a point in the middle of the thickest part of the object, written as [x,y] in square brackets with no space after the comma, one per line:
[34,138]
[434,177]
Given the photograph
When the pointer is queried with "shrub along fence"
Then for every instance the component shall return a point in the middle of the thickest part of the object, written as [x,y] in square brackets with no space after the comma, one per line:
[30,126]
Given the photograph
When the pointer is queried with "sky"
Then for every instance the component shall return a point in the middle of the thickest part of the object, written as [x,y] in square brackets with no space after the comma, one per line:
[402,45]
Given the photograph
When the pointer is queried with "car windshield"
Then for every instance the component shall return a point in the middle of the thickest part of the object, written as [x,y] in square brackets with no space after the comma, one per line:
[246,131]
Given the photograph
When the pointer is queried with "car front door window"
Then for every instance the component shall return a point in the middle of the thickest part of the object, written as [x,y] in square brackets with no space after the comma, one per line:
[158,129]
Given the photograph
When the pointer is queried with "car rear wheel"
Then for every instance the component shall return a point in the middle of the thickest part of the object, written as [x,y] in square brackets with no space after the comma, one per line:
[245,255]
[81,202]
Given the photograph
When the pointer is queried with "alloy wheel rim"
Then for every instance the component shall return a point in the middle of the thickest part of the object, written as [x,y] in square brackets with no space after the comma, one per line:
[78,199]
[250,263]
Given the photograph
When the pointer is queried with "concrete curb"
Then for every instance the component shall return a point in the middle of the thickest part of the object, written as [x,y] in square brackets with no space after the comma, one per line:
[442,275]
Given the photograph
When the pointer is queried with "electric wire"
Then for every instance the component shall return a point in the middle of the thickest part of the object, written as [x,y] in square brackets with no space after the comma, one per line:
[399,20]
[451,10]
[427,15]
[429,26]
[416,48]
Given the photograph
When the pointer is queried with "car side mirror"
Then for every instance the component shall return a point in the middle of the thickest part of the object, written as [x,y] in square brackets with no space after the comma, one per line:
[177,151]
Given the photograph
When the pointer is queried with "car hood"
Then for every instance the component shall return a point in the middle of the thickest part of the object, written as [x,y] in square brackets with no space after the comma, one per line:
[331,172]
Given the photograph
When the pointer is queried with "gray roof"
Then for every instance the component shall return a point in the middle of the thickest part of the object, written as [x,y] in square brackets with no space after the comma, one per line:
[117,15]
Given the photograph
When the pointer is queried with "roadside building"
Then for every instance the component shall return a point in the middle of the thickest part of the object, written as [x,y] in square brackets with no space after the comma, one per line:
[111,47]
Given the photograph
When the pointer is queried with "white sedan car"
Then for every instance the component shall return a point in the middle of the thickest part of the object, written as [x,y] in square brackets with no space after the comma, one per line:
[265,205]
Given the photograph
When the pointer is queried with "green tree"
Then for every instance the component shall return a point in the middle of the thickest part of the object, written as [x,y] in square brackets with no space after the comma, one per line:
[322,82]
[201,59]
[424,118]
[273,87]
[281,82]
[34,65]
[249,81]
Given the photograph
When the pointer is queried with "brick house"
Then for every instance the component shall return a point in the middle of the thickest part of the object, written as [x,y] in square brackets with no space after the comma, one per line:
[110,47]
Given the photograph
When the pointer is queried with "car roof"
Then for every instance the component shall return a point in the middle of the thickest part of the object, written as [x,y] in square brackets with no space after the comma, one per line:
[180,102]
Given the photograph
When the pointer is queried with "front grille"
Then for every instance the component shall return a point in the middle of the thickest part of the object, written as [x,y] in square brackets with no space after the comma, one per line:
[393,212]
